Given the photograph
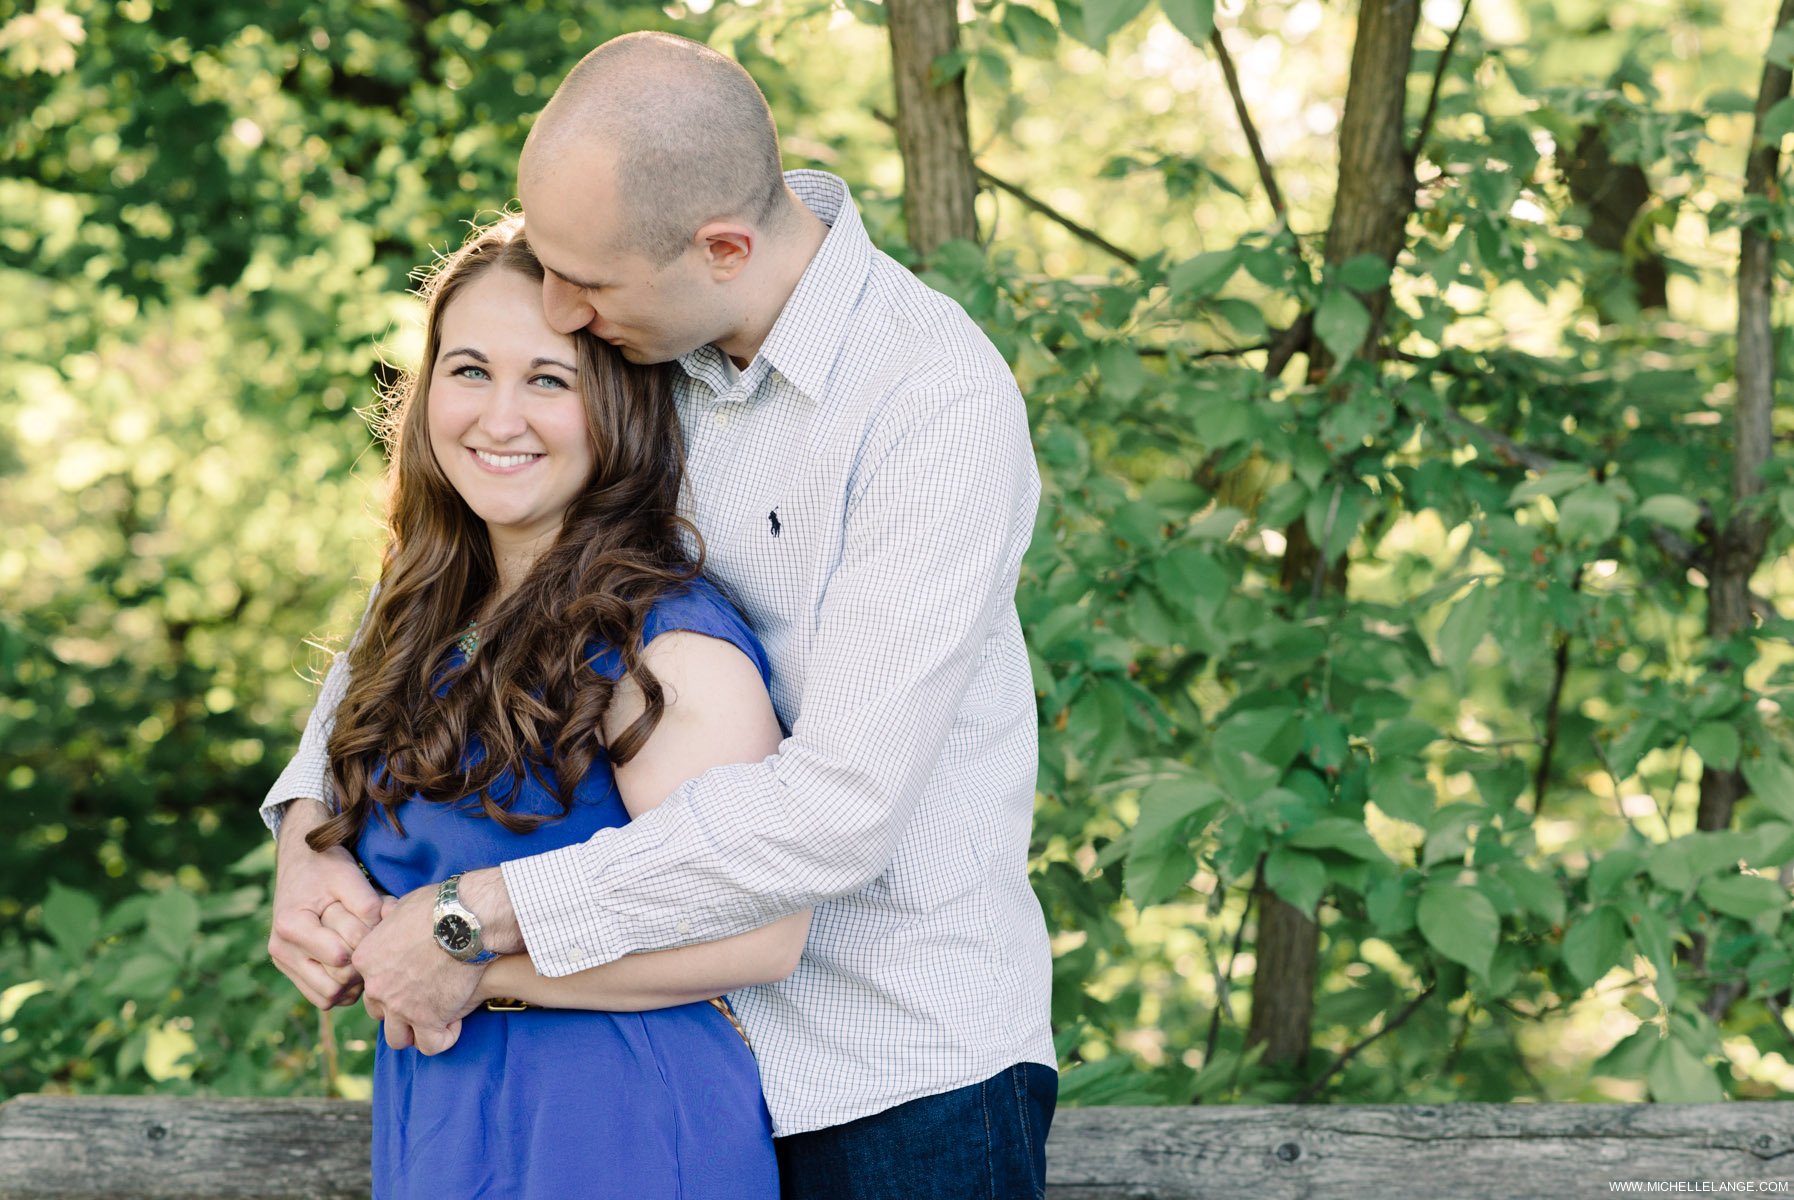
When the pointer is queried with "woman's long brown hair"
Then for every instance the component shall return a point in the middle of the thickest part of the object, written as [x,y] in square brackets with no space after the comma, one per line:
[529,697]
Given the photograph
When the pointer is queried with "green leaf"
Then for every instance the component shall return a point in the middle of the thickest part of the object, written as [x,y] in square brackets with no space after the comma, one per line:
[172,922]
[1398,791]
[1781,47]
[1169,803]
[1156,872]
[1678,512]
[1742,896]
[1403,737]
[1553,483]
[144,977]
[1391,906]
[1218,524]
[1365,273]
[1678,1076]
[1298,878]
[1464,629]
[1536,891]
[1195,19]
[1778,122]
[1103,18]
[1771,781]
[1205,274]
[1717,743]
[1593,945]
[1342,323]
[1612,870]
[72,919]
[1460,923]
[1672,864]
[1028,31]
[1588,515]
[1340,834]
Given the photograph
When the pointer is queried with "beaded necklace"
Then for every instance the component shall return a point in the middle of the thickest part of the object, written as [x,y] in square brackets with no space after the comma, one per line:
[469,641]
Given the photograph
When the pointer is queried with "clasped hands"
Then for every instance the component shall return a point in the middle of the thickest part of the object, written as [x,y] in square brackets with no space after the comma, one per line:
[338,939]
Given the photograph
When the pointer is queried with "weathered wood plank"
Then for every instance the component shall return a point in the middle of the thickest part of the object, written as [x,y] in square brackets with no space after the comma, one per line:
[182,1148]
[163,1147]
[1401,1152]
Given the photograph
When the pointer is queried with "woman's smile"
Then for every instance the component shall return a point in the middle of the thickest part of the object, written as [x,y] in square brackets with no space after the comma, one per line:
[507,464]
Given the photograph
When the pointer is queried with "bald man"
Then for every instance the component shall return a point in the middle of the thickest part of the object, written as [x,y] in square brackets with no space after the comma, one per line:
[860,470]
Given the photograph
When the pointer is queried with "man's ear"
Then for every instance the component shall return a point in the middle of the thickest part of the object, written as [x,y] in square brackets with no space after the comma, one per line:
[726,247]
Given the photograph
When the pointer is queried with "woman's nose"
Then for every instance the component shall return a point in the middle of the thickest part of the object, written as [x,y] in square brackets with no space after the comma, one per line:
[502,417]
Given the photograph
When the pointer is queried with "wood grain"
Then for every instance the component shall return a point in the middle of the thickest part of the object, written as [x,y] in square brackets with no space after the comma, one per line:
[155,1147]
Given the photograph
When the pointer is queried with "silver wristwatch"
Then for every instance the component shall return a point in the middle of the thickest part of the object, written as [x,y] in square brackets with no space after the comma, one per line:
[457,930]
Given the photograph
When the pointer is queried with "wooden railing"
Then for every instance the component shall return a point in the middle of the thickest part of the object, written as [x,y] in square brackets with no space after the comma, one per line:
[179,1148]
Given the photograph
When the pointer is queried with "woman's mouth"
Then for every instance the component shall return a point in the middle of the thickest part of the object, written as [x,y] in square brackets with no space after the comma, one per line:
[505,462]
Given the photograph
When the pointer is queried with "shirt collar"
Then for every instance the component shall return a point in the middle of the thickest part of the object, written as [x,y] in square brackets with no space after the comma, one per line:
[805,341]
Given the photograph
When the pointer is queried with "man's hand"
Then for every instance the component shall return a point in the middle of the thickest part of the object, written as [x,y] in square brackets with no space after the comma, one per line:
[415,989]
[323,908]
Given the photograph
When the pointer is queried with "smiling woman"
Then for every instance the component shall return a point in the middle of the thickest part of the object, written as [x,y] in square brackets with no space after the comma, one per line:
[540,663]
[506,418]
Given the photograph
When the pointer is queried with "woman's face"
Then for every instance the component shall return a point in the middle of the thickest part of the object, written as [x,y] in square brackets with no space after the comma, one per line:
[505,416]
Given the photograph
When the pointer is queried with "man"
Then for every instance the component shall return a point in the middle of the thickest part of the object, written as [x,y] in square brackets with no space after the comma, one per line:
[859,467]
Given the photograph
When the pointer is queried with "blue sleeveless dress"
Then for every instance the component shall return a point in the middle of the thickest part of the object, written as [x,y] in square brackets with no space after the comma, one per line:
[550,1104]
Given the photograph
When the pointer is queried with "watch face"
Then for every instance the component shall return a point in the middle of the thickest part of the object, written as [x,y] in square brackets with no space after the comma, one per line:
[453,934]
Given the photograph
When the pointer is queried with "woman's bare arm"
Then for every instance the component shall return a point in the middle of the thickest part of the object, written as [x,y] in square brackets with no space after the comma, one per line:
[717,711]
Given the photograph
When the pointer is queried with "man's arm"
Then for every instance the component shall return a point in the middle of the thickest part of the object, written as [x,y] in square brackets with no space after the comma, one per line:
[323,904]
[717,711]
[942,511]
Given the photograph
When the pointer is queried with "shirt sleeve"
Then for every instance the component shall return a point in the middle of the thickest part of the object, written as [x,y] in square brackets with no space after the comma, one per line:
[307,774]
[936,523]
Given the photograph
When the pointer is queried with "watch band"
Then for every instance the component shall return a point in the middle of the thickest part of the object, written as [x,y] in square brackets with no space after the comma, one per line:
[455,927]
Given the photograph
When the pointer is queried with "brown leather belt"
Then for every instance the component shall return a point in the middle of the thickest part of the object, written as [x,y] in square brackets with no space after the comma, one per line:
[506,1004]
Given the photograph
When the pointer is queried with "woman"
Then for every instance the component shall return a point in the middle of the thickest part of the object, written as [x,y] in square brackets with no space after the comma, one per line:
[541,661]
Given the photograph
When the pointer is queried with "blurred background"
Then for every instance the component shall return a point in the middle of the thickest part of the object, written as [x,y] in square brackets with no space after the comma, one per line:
[1405,604]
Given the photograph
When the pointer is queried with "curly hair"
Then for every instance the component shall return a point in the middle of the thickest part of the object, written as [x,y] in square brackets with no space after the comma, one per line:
[415,721]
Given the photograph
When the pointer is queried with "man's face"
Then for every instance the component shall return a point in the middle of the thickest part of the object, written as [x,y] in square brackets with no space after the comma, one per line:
[651,313]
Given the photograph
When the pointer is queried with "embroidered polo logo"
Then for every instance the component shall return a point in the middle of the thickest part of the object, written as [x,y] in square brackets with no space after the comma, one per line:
[773,518]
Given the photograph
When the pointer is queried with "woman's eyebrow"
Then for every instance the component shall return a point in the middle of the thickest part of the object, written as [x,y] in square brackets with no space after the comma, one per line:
[551,362]
[469,351]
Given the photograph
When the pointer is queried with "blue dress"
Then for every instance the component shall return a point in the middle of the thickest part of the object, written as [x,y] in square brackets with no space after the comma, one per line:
[556,1104]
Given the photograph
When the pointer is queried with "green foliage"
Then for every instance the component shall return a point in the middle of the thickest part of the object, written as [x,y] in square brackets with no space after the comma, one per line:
[209,212]
[170,991]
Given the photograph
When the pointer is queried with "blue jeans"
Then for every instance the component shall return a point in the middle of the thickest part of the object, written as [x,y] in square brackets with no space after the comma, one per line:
[983,1142]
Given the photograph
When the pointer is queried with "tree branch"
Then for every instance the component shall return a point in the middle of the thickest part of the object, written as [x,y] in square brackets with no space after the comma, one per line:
[1308,1093]
[1265,174]
[1560,671]
[1035,204]
[1224,980]
[1432,101]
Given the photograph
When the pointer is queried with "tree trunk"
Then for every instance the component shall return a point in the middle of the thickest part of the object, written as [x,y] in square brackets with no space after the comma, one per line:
[1370,216]
[1738,550]
[940,181]
[1613,194]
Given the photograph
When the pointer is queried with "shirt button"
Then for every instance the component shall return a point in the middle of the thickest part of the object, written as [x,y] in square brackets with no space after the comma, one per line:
[722,418]
[577,954]
[682,927]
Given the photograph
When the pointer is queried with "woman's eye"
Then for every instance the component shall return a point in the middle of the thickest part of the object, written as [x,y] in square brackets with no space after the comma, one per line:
[550,381]
[469,372]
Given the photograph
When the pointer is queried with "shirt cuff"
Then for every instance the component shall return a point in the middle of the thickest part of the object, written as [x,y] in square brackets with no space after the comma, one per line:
[274,811]
[559,924]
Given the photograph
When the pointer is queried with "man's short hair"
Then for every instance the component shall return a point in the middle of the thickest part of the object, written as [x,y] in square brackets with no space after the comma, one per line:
[692,136]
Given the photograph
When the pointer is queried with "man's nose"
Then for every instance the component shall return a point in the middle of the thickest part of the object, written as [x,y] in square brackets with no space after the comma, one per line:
[565,306]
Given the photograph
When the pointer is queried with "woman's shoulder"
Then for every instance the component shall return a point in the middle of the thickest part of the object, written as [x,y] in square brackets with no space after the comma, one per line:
[695,606]
[699,606]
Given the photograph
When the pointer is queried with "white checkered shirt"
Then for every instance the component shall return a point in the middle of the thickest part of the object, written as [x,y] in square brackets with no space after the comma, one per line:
[865,489]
